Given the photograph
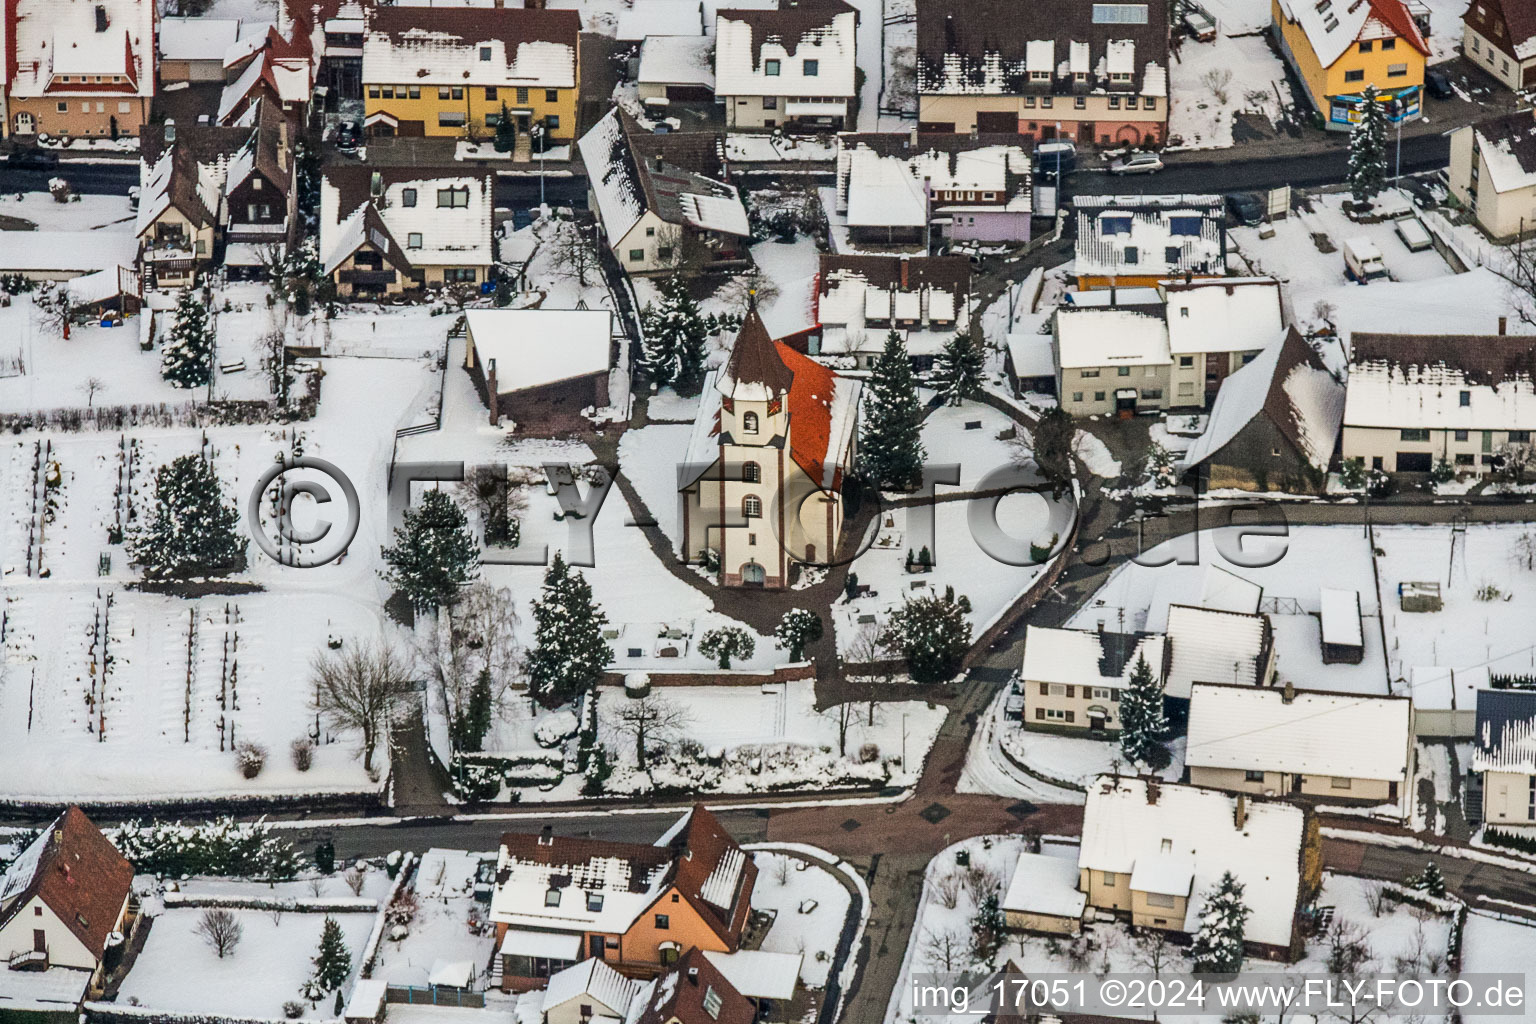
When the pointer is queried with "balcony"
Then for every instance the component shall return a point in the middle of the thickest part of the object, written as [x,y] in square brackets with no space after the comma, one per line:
[367,277]
[28,960]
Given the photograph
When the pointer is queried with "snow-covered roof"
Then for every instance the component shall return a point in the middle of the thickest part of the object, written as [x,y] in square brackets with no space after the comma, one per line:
[883,192]
[1340,612]
[451,973]
[1085,657]
[1210,646]
[594,980]
[1508,147]
[102,285]
[1032,355]
[1505,734]
[817,30]
[1168,874]
[881,178]
[64,252]
[647,19]
[1220,590]
[1128,820]
[612,176]
[500,46]
[715,213]
[1044,884]
[1092,298]
[1110,337]
[1164,236]
[1232,314]
[448,235]
[1332,26]
[792,310]
[1256,728]
[52,39]
[933,291]
[758,973]
[367,998]
[1461,382]
[205,38]
[528,942]
[535,347]
[676,60]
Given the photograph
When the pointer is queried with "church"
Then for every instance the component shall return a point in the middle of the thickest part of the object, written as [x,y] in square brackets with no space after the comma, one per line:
[774,440]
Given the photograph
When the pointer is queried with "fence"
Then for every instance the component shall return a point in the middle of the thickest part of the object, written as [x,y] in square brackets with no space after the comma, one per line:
[434,995]
[1471,255]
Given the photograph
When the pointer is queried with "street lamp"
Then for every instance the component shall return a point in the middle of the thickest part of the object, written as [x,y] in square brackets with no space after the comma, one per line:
[536,132]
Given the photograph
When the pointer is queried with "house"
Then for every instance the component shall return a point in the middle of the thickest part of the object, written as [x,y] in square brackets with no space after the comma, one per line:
[695,992]
[862,299]
[646,18]
[334,30]
[64,902]
[790,66]
[1211,645]
[772,444]
[1142,240]
[1073,678]
[392,225]
[540,367]
[273,70]
[637,907]
[659,198]
[1342,633]
[765,978]
[1042,896]
[182,173]
[1152,851]
[1111,361]
[193,49]
[587,991]
[1216,326]
[676,68]
[1493,173]
[259,201]
[451,71]
[1505,754]
[79,69]
[1499,36]
[892,186]
[1029,360]
[1280,740]
[1339,49]
[1093,73]
[1274,424]
[1414,400]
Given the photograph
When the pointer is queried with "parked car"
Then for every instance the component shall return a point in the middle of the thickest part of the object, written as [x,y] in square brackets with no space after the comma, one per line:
[349,135]
[39,158]
[1055,158]
[1438,84]
[1137,163]
[1247,207]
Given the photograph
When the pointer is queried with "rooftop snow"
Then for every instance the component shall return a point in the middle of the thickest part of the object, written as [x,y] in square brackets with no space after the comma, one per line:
[1044,884]
[1108,337]
[535,347]
[676,60]
[1211,646]
[1084,657]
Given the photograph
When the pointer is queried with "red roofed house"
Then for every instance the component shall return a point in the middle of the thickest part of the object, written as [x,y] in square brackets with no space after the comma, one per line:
[772,444]
[1339,48]
[63,898]
[78,69]
[695,992]
[637,907]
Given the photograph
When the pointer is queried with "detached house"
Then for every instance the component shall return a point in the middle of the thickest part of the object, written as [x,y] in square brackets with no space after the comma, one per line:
[1153,851]
[450,71]
[791,66]
[271,70]
[1095,73]
[1216,326]
[1073,678]
[85,69]
[183,170]
[638,908]
[1142,240]
[1499,36]
[1415,400]
[1339,48]
[1505,754]
[862,299]
[660,199]
[1111,360]
[1493,172]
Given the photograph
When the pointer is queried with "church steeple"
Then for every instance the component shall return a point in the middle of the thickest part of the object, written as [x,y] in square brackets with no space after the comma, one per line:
[755,372]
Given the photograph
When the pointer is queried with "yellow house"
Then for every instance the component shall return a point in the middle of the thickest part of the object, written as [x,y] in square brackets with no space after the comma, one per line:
[451,71]
[1338,48]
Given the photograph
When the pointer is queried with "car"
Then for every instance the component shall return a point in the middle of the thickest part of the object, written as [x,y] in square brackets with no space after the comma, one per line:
[349,135]
[40,158]
[1438,84]
[1137,163]
[1247,207]
[1055,158]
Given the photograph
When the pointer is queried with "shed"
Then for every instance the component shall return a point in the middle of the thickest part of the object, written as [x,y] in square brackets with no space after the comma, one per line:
[1030,364]
[451,974]
[541,367]
[1419,597]
[367,1002]
[1043,896]
[1343,634]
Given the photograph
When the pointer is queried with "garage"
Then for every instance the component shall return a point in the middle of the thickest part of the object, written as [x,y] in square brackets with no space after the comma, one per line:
[1415,462]
[997,121]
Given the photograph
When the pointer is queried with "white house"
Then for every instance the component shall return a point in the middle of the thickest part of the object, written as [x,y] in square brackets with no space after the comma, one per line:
[589,992]
[862,299]
[1215,327]
[1505,754]
[1493,172]
[1073,678]
[787,67]
[1111,360]
[676,68]
[1141,240]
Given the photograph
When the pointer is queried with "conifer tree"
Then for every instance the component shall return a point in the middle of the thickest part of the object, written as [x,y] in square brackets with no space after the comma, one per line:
[932,634]
[192,530]
[506,132]
[187,357]
[891,443]
[434,554]
[1367,174]
[569,651]
[1218,944]
[473,721]
[333,962]
[1142,722]
[1430,880]
[987,931]
[675,334]
[957,371]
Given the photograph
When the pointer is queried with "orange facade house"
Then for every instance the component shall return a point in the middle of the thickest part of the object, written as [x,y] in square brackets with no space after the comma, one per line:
[637,907]
[82,68]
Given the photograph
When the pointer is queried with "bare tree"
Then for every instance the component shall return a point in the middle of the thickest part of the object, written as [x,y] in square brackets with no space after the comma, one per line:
[574,254]
[491,492]
[682,252]
[1524,552]
[1155,951]
[1217,80]
[475,637]
[90,388]
[742,290]
[652,717]
[355,878]
[274,365]
[1325,311]
[1518,457]
[220,929]
[50,310]
[842,715]
[1375,892]
[360,687]
[947,889]
[945,948]
[980,882]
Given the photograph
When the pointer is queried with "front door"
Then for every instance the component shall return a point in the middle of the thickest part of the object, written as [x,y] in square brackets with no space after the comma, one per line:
[26,124]
[810,553]
[596,944]
[39,940]
[753,575]
[1125,403]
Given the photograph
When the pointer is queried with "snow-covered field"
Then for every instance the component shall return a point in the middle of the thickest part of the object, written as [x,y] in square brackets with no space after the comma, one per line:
[1251,77]
[809,908]
[1492,946]
[85,213]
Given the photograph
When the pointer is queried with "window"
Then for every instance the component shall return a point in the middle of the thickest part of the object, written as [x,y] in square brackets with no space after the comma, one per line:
[63,107]
[1159,899]
[662,922]
[770,103]
[201,248]
[749,423]
[1109,878]
[1398,70]
[1057,715]
[490,92]
[1186,360]
[1338,783]
[552,897]
[552,122]
[594,902]
[465,274]
[752,507]
[1080,102]
[485,53]
[771,68]
[1117,225]
[373,94]
[1100,693]
[1389,44]
[1365,47]
[522,94]
[1415,434]
[637,255]
[1461,435]
[712,1003]
[751,472]
[1098,396]
[1152,393]
[1519,436]
[811,68]
[453,197]
[1252,776]
[412,240]
[1114,103]
[1476,46]
[458,92]
[1054,689]
[85,107]
[1077,396]
[387,91]
[1088,373]
[1149,102]
[1465,399]
[443,92]
[1130,255]
[1046,101]
[1171,254]
[1029,101]
[751,540]
[415,92]
[1123,371]
[1119,14]
[1357,75]
[407,197]
[122,107]
[451,118]
[1465,459]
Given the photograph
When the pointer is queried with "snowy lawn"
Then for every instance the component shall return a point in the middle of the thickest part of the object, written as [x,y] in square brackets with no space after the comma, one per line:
[949,438]
[85,213]
[1491,946]
[1077,759]
[442,929]
[1251,77]
[650,458]
[809,906]
[264,971]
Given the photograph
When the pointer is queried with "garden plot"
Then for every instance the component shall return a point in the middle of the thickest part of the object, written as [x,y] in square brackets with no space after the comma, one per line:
[1492,946]
[739,739]
[1212,82]
[449,924]
[1489,599]
[809,906]
[263,972]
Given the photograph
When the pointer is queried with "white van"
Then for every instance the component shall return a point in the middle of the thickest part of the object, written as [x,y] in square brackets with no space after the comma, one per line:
[1362,260]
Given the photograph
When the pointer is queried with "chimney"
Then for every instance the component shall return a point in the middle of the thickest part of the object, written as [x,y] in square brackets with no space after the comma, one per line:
[912,138]
[1240,811]
[1112,293]
[101,18]
[1189,276]
[547,836]
[1289,693]
[494,401]
[904,267]
[1503,324]
[1153,791]
[693,975]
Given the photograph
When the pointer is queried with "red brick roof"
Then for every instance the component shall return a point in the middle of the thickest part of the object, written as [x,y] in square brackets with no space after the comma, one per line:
[810,413]
[79,875]
[679,995]
[1394,14]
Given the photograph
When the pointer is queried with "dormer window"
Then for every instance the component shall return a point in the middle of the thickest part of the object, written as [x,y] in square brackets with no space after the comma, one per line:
[552,897]
[1466,399]
[749,423]
[594,902]
[485,53]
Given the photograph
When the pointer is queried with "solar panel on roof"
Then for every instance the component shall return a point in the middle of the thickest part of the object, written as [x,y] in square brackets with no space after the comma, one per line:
[1119,14]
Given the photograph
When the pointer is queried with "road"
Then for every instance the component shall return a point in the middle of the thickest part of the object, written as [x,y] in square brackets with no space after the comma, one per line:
[91,178]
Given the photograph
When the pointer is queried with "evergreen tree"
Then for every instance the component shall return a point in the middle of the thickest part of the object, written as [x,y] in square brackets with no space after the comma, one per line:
[473,721]
[891,445]
[569,651]
[932,634]
[333,962]
[186,360]
[726,643]
[798,627]
[675,334]
[987,931]
[1430,881]
[192,531]
[1142,723]
[957,371]
[1367,174]
[1052,452]
[506,132]
[1218,944]
[434,554]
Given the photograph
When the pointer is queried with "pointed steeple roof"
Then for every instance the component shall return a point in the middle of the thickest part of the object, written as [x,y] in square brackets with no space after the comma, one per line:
[755,371]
